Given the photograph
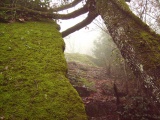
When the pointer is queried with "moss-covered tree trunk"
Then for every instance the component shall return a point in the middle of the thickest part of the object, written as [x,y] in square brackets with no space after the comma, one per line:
[138,44]
[33,85]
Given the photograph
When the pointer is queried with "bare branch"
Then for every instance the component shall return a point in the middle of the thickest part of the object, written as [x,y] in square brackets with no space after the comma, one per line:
[72,4]
[74,14]
[91,16]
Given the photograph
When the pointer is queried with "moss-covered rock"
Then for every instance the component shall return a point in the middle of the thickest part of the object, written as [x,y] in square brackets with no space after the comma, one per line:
[80,58]
[33,85]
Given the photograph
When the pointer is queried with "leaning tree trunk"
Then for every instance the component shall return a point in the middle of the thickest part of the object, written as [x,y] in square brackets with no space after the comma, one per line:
[139,45]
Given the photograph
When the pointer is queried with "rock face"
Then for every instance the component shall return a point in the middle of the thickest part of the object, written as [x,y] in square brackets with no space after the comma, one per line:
[99,108]
[33,83]
[83,91]
[100,104]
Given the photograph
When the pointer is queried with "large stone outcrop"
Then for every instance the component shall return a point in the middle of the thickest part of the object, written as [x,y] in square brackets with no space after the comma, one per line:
[33,85]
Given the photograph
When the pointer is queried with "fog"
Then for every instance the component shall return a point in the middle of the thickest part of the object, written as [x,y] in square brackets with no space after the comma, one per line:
[82,40]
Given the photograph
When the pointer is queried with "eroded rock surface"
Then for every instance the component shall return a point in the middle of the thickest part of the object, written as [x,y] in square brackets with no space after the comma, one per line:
[100,103]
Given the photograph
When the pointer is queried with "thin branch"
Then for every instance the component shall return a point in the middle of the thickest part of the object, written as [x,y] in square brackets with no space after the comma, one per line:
[72,4]
[74,14]
[91,16]
[101,27]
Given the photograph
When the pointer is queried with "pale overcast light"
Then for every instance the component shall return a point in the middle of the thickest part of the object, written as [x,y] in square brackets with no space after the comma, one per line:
[82,40]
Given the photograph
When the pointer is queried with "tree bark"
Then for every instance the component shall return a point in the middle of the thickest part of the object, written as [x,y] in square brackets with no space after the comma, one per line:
[64,7]
[46,15]
[138,44]
[91,16]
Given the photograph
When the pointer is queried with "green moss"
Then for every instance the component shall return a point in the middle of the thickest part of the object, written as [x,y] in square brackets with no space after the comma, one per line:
[33,85]
[121,4]
[147,47]
[145,41]
[140,44]
[80,58]
[153,43]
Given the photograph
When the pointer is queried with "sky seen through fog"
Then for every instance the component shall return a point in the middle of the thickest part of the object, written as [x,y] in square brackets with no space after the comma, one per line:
[82,40]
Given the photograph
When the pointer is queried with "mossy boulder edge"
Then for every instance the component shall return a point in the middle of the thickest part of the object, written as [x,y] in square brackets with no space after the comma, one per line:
[33,85]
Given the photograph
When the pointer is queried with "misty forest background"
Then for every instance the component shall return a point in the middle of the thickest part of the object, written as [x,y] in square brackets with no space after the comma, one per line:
[107,88]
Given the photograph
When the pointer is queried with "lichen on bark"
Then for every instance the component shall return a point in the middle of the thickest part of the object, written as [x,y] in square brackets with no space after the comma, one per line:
[139,45]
